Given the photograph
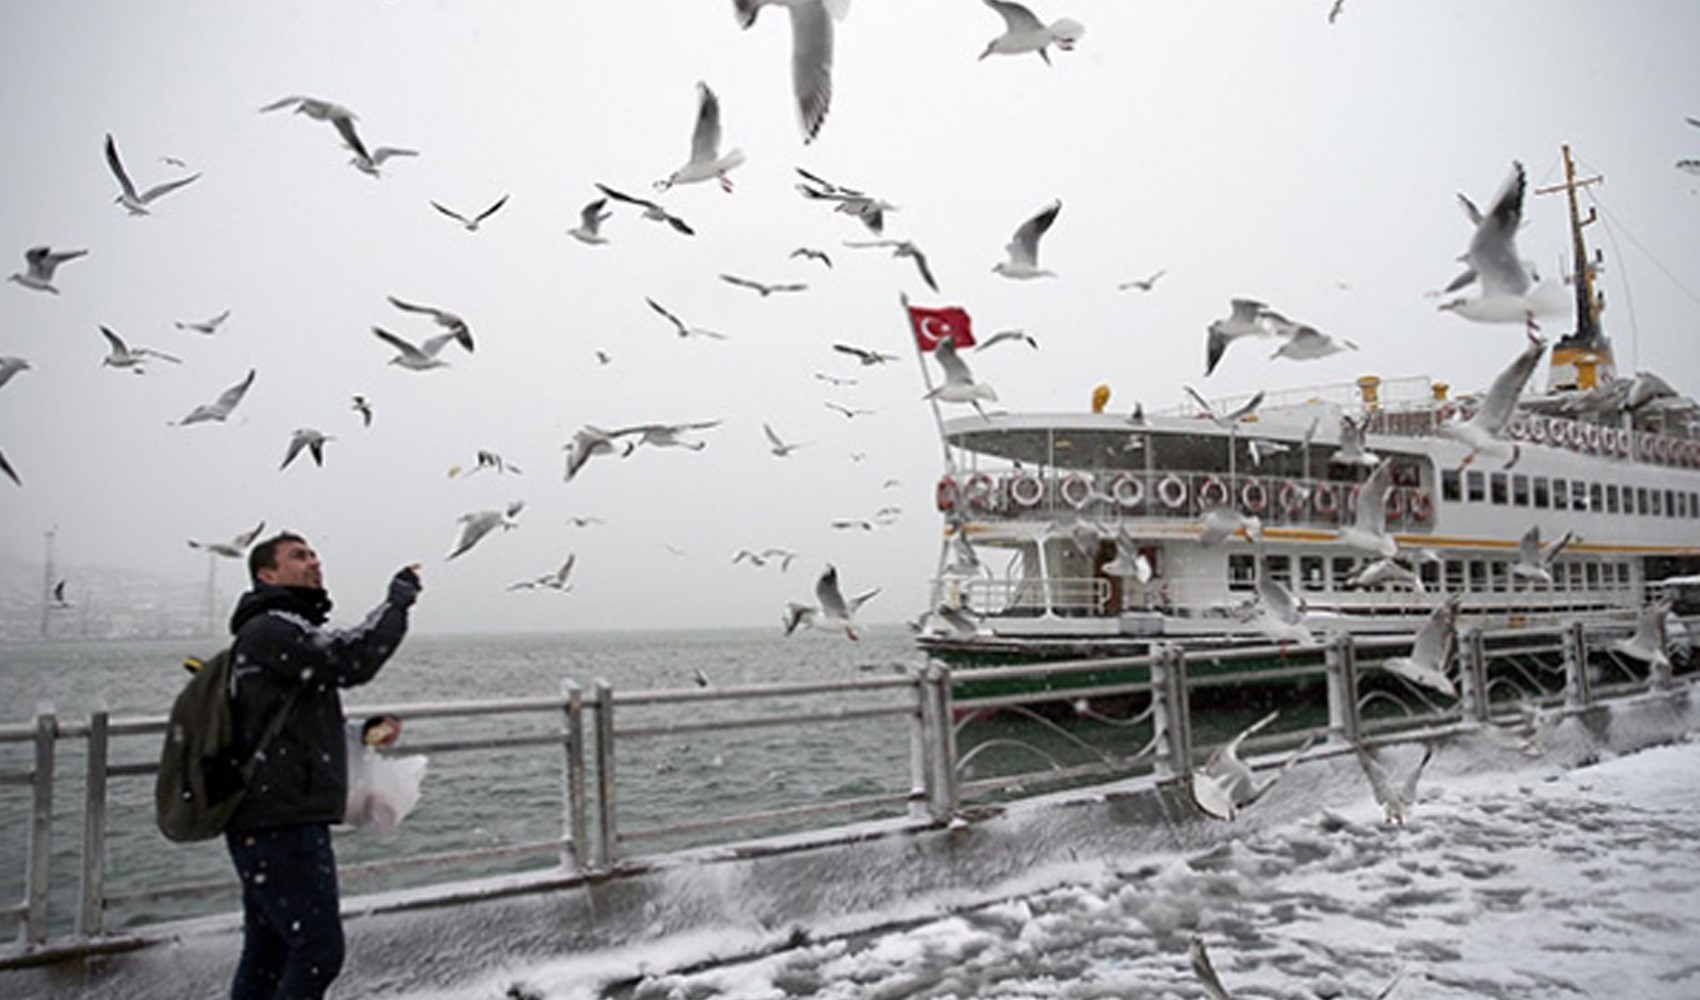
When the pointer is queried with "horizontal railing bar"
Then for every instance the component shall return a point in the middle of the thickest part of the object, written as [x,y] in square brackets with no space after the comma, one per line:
[447,858]
[1064,667]
[623,699]
[1030,698]
[181,890]
[1270,674]
[769,722]
[767,816]
[1054,775]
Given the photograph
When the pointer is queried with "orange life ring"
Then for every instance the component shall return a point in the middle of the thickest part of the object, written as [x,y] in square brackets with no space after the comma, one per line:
[1292,497]
[945,494]
[1067,495]
[1327,499]
[1255,496]
[1172,491]
[1025,490]
[980,491]
[1126,490]
[1213,493]
[1422,507]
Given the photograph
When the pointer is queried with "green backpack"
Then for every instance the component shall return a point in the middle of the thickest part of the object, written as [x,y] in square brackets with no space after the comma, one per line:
[201,780]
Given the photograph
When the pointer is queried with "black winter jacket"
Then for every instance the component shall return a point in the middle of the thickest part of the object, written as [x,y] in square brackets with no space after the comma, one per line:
[282,646]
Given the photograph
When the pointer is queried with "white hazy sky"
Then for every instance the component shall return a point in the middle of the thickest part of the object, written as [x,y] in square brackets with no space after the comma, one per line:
[1250,148]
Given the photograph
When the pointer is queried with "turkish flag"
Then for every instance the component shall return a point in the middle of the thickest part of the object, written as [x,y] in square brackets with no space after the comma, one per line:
[934,325]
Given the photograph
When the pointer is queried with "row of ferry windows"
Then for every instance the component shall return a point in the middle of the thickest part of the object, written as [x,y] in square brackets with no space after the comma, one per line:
[1461,575]
[1518,490]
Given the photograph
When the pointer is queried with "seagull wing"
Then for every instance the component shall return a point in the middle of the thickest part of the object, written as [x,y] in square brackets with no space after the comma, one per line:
[1529,546]
[119,348]
[621,196]
[117,166]
[921,265]
[167,187]
[492,210]
[830,597]
[811,65]
[1200,400]
[1493,248]
[407,350]
[705,137]
[678,324]
[228,399]
[955,369]
[345,127]
[451,213]
[1016,17]
[1372,499]
[1278,600]
[1496,408]
[1024,248]
[1433,644]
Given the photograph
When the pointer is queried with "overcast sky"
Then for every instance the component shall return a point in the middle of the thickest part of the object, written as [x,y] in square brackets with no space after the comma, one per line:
[1249,148]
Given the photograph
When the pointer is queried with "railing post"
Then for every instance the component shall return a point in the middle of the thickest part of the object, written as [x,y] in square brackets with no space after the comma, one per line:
[1578,690]
[920,761]
[1171,716]
[940,754]
[91,915]
[38,866]
[578,825]
[607,837]
[1340,660]
[1472,669]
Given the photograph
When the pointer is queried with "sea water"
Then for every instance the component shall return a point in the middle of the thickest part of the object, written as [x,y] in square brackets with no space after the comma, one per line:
[477,799]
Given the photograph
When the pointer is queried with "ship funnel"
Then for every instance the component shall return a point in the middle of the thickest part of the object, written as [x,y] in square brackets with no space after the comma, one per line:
[1100,397]
[1369,389]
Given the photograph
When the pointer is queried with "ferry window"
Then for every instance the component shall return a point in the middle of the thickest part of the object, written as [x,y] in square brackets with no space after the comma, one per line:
[1344,567]
[1578,495]
[1640,499]
[1496,489]
[1593,572]
[1658,500]
[1596,497]
[1242,572]
[1478,576]
[1576,581]
[1450,488]
[1429,573]
[1310,573]
[1520,490]
[1475,486]
[1501,578]
[1611,498]
[1560,494]
[1542,497]
[1623,574]
[1454,576]
[1693,506]
[1559,575]
[1280,569]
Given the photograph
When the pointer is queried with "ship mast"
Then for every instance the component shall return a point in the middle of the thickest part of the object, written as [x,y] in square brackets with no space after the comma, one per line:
[1583,359]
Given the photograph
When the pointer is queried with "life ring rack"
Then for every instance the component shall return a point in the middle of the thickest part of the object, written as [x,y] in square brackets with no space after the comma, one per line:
[1066,491]
[1171,490]
[1127,491]
[1213,492]
[1026,490]
[1255,496]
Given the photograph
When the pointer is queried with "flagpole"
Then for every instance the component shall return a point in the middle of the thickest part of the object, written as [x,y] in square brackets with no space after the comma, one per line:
[926,379]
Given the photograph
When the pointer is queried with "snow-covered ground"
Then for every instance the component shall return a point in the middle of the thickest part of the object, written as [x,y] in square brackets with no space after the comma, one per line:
[1582,883]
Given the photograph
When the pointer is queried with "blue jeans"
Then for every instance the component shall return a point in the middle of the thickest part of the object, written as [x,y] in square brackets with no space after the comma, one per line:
[292,946]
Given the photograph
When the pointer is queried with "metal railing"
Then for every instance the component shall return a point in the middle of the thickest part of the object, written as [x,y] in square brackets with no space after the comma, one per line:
[946,740]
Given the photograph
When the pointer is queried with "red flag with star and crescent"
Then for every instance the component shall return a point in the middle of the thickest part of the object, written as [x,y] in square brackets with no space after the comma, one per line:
[934,325]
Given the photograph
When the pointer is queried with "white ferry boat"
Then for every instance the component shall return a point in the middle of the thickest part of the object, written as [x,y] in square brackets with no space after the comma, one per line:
[1087,533]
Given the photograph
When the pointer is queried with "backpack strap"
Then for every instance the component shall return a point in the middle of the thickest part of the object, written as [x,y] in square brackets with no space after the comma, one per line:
[273,727]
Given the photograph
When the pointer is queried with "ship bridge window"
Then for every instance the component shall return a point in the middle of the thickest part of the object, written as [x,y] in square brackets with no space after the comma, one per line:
[1560,494]
[1450,488]
[1543,497]
[1520,490]
[1497,491]
[1242,571]
[1311,575]
[1475,486]
[1611,498]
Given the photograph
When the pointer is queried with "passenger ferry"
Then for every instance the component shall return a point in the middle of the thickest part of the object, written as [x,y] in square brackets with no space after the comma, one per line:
[1084,531]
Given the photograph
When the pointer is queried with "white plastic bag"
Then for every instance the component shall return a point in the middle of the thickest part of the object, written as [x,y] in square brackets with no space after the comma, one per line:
[381,790]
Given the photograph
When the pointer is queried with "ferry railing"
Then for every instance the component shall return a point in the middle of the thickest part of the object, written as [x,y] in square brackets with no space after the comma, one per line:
[956,739]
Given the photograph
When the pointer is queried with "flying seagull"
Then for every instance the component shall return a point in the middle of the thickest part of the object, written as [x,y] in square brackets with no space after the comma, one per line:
[422,357]
[122,355]
[220,408]
[1482,432]
[1533,561]
[706,162]
[340,118]
[679,326]
[1395,800]
[1245,320]
[42,262]
[850,413]
[470,225]
[1023,249]
[1024,32]
[208,327]
[137,204]
[456,326]
[1230,419]
[811,52]
[1225,784]
[590,220]
[1303,341]
[1650,642]
[1003,336]
[864,355]
[372,165]
[588,442]
[779,446]
[831,610]
[1368,530]
[236,548]
[763,288]
[309,439]
[552,581]
[1280,613]
[651,210]
[1431,651]
[1352,450]
[1143,284]
[11,365]
[902,248]
[475,525]
[959,385]
[1510,293]
[363,406]
[869,209]
[667,435]
[810,253]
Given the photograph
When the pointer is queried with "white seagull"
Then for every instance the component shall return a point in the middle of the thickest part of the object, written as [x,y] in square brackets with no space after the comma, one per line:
[208,327]
[122,355]
[1225,784]
[1385,572]
[1143,284]
[811,52]
[651,210]
[902,248]
[422,357]
[219,409]
[1303,341]
[1229,420]
[1481,433]
[552,581]
[706,162]
[1246,320]
[340,118]
[1431,651]
[667,435]
[810,253]
[305,438]
[762,287]
[1023,249]
[1368,530]
[372,165]
[1220,522]
[1281,613]
[475,525]
[778,445]
[236,548]
[42,262]
[471,225]
[1024,32]
[11,365]
[679,326]
[959,385]
[1003,336]
[588,442]
[1534,562]
[865,355]
[1351,450]
[456,326]
[869,209]
[590,220]
[1395,800]
[137,204]
[1510,294]
[832,611]
[1650,642]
